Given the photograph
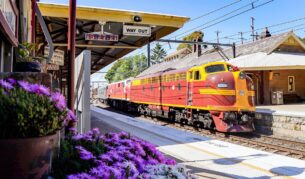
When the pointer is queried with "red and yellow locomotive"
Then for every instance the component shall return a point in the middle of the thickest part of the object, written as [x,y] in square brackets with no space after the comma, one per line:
[214,95]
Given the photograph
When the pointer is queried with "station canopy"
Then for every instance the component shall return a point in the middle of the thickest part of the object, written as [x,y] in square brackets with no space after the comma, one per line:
[108,21]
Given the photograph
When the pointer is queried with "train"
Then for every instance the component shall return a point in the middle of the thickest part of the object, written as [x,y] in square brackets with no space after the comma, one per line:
[216,96]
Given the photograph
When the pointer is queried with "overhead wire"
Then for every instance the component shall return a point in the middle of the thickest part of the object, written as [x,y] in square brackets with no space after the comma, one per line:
[213,11]
[230,17]
[261,28]
[252,7]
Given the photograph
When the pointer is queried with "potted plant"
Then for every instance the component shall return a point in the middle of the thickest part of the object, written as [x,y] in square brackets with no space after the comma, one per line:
[26,61]
[31,118]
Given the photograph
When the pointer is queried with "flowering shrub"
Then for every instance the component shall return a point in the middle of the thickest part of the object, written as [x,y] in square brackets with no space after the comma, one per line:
[113,155]
[30,110]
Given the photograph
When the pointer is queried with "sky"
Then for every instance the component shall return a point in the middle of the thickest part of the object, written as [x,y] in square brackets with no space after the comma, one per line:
[273,13]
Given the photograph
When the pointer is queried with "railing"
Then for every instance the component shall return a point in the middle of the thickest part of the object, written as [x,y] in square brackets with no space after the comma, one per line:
[82,91]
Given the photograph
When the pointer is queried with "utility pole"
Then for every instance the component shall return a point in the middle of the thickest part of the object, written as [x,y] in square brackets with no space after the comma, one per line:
[241,37]
[252,27]
[148,54]
[71,52]
[217,33]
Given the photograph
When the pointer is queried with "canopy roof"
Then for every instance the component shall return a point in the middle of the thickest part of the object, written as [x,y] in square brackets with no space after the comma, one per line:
[273,61]
[88,20]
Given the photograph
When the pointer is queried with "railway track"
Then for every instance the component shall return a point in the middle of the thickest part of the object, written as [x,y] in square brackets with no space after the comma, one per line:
[280,146]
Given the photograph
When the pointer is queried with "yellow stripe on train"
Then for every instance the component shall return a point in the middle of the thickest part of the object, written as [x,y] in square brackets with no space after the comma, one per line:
[217,92]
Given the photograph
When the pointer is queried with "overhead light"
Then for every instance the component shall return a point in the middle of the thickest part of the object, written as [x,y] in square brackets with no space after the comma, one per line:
[137,18]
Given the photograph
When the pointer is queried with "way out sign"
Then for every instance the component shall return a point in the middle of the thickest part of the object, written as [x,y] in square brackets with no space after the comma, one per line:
[130,30]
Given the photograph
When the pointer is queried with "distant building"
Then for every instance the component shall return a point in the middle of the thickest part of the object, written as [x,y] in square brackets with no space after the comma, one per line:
[275,63]
[178,54]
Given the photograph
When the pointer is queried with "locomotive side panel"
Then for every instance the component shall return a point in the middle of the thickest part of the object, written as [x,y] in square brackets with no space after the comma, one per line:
[174,89]
[146,90]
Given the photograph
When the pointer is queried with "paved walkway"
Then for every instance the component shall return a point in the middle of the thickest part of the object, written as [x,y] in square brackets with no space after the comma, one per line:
[208,158]
[297,110]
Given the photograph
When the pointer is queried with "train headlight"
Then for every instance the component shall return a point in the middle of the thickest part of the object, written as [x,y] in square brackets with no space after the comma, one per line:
[241,92]
[245,118]
[230,116]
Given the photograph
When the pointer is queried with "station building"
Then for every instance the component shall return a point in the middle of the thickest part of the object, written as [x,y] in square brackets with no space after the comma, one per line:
[9,14]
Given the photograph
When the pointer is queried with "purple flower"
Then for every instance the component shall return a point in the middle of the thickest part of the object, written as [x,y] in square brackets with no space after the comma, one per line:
[70,117]
[59,100]
[77,137]
[11,81]
[106,158]
[115,173]
[170,162]
[96,131]
[40,89]
[25,85]
[84,154]
[6,85]
[80,176]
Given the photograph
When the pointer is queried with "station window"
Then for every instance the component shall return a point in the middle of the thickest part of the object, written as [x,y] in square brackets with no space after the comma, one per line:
[197,75]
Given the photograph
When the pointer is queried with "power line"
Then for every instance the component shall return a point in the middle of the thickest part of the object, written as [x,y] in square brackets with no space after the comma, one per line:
[274,25]
[254,7]
[220,17]
[213,11]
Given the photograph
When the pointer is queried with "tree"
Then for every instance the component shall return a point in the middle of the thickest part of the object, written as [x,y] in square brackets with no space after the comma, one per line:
[191,37]
[127,67]
[112,71]
[158,54]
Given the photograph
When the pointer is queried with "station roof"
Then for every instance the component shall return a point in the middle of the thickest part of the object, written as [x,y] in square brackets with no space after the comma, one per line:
[88,20]
[249,56]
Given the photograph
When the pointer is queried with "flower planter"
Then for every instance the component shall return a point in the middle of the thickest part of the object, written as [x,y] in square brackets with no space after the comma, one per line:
[28,67]
[27,158]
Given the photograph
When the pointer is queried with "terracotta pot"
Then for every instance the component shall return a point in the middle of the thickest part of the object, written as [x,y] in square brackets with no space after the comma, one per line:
[27,158]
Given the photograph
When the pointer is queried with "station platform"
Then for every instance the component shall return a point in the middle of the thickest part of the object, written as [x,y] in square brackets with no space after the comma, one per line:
[282,120]
[207,157]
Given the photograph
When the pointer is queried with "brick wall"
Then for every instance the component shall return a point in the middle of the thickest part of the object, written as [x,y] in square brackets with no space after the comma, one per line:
[291,127]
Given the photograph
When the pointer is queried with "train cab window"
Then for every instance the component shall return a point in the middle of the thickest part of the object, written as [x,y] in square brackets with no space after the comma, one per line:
[197,75]
[214,68]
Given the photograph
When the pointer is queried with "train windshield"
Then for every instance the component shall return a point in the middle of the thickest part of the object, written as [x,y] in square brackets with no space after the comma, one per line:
[215,68]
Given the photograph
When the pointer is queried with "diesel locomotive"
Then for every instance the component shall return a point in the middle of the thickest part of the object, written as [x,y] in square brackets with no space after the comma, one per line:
[215,95]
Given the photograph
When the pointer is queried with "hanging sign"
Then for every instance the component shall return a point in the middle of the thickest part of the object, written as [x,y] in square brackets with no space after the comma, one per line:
[130,30]
[102,37]
[57,58]
[52,67]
